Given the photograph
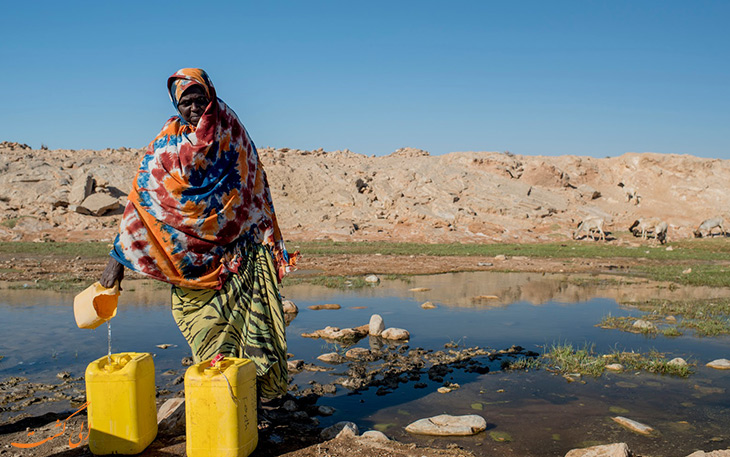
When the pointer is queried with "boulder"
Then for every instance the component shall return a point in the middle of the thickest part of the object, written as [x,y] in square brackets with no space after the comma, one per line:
[376,325]
[375,435]
[395,334]
[604,450]
[333,430]
[447,425]
[82,187]
[331,357]
[97,205]
[289,307]
[720,364]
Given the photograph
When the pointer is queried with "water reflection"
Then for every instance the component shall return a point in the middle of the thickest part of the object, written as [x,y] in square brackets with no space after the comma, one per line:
[544,414]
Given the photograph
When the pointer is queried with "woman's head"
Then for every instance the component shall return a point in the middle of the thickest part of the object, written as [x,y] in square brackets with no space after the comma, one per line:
[191,91]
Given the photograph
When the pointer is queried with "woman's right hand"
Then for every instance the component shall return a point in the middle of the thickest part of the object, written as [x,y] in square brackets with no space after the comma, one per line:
[113,272]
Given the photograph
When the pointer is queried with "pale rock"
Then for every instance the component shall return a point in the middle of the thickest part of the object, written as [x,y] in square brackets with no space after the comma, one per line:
[717,453]
[428,305]
[325,306]
[372,279]
[289,307]
[375,435]
[376,325]
[83,186]
[633,425]
[687,271]
[395,334]
[97,205]
[615,367]
[677,361]
[604,450]
[416,289]
[333,430]
[447,425]
[331,357]
[294,365]
[642,324]
[171,415]
[669,248]
[500,257]
[720,364]
[670,318]
[337,334]
[358,353]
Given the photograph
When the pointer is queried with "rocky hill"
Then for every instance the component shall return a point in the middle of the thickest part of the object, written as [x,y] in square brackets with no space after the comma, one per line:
[484,197]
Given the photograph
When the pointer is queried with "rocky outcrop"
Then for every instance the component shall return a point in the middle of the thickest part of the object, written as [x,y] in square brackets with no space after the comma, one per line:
[408,195]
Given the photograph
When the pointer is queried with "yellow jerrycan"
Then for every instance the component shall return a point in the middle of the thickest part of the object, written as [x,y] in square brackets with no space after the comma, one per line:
[95,305]
[122,411]
[220,408]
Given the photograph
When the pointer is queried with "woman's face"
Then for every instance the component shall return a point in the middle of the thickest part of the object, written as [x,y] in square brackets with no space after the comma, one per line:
[192,104]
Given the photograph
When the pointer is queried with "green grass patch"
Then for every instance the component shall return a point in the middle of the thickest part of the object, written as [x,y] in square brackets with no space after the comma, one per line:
[701,275]
[87,249]
[709,317]
[563,358]
[332,282]
[570,249]
[70,284]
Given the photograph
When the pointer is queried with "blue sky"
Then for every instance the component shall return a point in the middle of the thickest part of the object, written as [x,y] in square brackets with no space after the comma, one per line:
[531,77]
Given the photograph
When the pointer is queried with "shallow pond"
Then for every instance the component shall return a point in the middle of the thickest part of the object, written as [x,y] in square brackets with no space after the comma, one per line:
[540,413]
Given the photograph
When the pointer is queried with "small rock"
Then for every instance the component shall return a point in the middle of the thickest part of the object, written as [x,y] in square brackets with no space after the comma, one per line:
[295,365]
[332,431]
[289,307]
[63,375]
[375,435]
[632,425]
[428,305]
[670,319]
[500,257]
[186,361]
[348,431]
[720,364]
[604,450]
[678,361]
[447,425]
[324,410]
[416,289]
[484,264]
[331,357]
[615,367]
[376,325]
[163,346]
[642,324]
[372,279]
[669,248]
[485,297]
[290,405]
[395,334]
[358,353]
[325,306]
[447,389]
[687,271]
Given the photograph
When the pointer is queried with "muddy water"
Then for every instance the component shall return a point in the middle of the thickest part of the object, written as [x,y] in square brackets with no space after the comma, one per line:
[543,414]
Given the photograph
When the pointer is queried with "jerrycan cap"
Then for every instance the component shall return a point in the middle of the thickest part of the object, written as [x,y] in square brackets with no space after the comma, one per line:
[118,361]
[218,365]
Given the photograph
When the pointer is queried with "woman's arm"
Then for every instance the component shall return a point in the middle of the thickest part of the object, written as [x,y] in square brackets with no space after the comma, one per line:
[113,272]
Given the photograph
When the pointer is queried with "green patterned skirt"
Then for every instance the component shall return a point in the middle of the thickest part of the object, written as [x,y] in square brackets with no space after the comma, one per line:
[243,319]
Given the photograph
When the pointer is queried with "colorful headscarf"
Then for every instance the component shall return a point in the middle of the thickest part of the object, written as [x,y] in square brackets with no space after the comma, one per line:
[199,196]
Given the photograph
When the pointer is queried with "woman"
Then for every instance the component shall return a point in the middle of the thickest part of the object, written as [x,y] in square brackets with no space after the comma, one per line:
[200,217]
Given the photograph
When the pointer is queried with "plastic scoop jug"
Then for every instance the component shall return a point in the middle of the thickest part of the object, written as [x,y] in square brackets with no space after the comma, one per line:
[96,305]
